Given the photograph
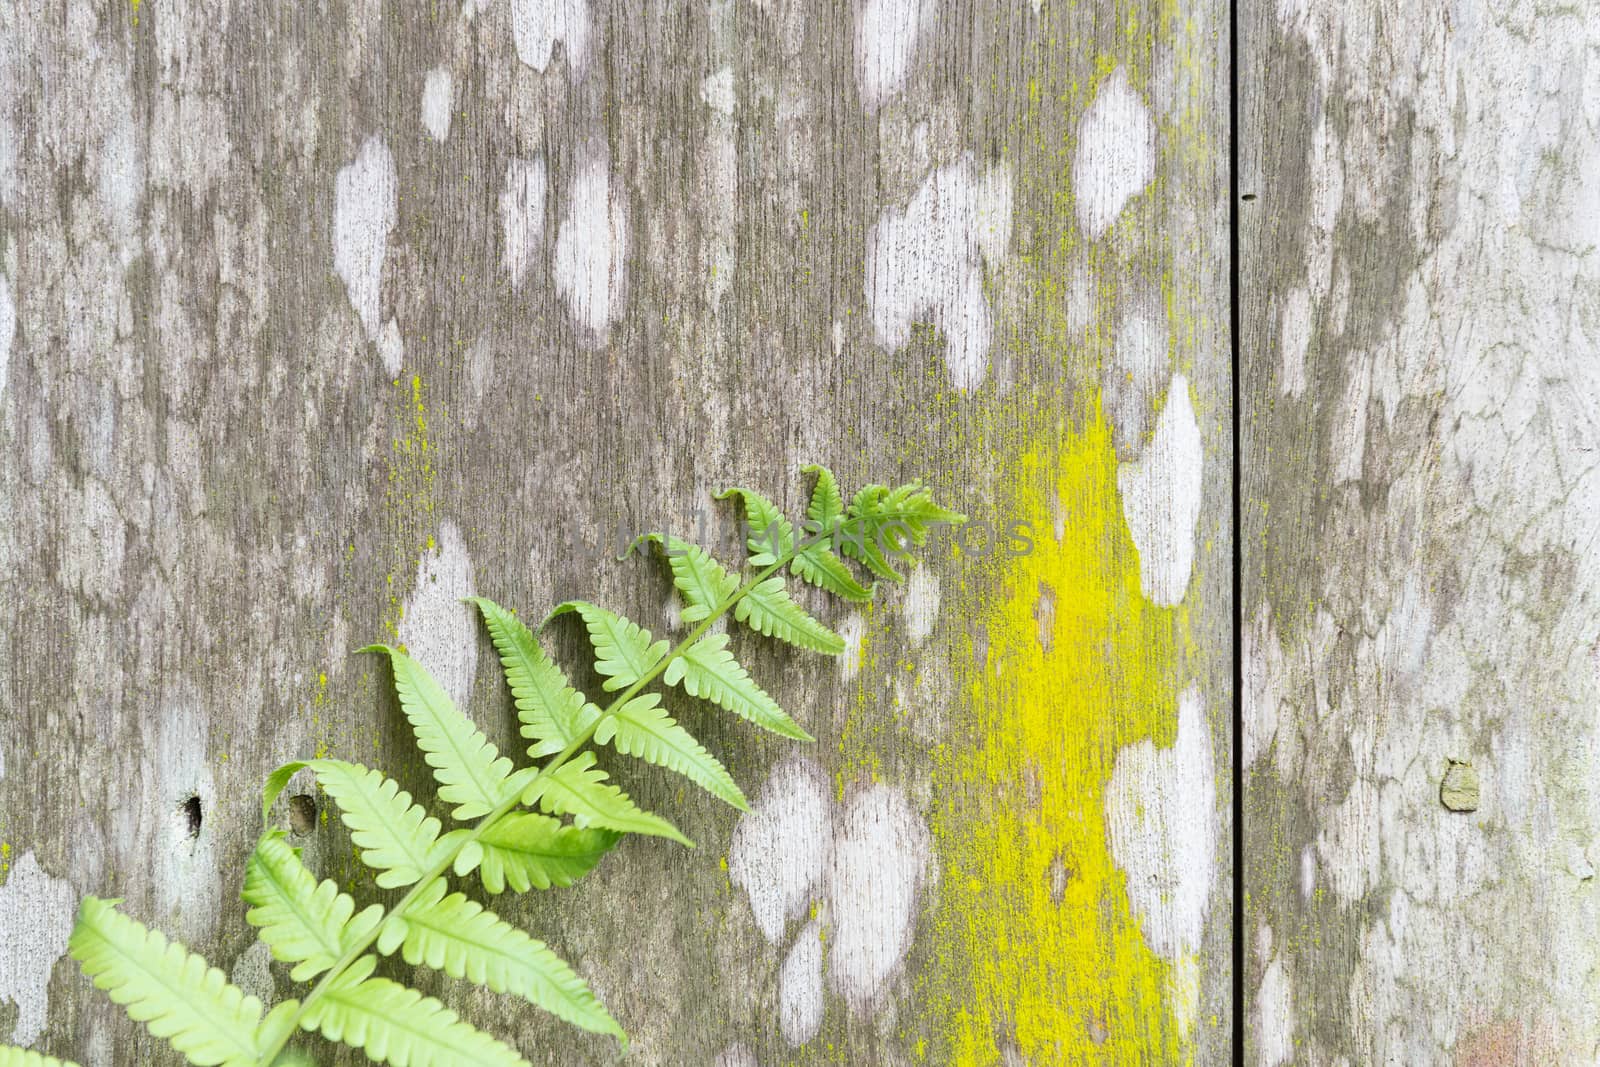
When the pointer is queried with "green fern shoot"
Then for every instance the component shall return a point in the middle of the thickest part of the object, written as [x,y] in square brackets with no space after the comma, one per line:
[508,827]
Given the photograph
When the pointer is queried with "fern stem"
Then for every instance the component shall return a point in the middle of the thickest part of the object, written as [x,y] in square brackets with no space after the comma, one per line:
[356,951]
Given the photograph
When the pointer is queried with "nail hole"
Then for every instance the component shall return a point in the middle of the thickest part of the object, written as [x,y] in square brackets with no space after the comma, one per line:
[1248,196]
[302,813]
[193,816]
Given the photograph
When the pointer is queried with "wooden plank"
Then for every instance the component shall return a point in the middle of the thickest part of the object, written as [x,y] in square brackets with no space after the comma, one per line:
[326,318]
[1420,500]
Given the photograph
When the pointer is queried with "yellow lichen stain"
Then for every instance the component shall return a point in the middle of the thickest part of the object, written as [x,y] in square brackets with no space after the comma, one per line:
[1035,947]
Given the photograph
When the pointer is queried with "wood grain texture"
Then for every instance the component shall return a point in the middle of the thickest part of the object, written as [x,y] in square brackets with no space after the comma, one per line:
[1420,585]
[314,320]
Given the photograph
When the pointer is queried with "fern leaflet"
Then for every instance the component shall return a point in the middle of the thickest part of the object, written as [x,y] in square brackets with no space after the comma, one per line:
[302,922]
[396,837]
[642,728]
[578,788]
[553,714]
[525,850]
[174,992]
[708,670]
[623,649]
[459,937]
[21,1057]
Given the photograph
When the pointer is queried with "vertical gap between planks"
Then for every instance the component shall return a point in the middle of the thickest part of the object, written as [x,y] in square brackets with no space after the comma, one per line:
[1236,749]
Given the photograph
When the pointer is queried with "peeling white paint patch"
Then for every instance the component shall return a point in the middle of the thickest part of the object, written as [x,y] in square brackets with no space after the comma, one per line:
[536,26]
[391,348]
[36,910]
[437,629]
[8,331]
[717,91]
[886,40]
[592,250]
[1308,873]
[1161,813]
[921,605]
[438,94]
[363,214]
[780,847]
[522,203]
[1161,498]
[854,632]
[879,864]
[183,863]
[1133,379]
[928,257]
[1116,154]
[1294,339]
[1275,1027]
[800,987]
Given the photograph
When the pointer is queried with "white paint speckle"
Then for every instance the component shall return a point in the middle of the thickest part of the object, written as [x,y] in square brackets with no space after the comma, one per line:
[717,91]
[363,214]
[1294,339]
[928,258]
[522,203]
[437,100]
[1308,873]
[437,629]
[592,250]
[921,604]
[779,849]
[1134,378]
[800,987]
[536,26]
[1161,498]
[36,910]
[854,631]
[1161,814]
[879,864]
[1116,154]
[886,40]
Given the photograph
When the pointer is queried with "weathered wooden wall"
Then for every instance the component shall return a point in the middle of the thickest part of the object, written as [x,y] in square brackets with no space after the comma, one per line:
[314,319]
[1421,588]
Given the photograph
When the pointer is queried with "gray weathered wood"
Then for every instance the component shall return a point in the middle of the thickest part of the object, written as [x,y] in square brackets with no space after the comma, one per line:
[1420,429]
[315,319]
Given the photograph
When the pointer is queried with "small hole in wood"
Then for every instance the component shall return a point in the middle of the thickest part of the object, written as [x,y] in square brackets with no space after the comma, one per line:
[193,815]
[1247,197]
[302,813]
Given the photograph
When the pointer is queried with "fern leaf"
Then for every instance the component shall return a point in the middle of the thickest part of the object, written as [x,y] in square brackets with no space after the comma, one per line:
[302,922]
[814,560]
[470,773]
[886,522]
[525,850]
[708,670]
[578,788]
[623,650]
[704,583]
[174,992]
[643,729]
[395,836]
[553,714]
[459,937]
[768,610]
[396,1025]
[21,1057]
[770,535]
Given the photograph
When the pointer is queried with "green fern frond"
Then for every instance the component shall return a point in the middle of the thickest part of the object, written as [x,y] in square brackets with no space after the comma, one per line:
[553,714]
[643,729]
[708,670]
[885,523]
[525,850]
[768,610]
[459,937]
[578,788]
[399,1026]
[21,1057]
[470,773]
[397,838]
[814,559]
[623,649]
[173,991]
[301,921]
[770,535]
[703,581]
